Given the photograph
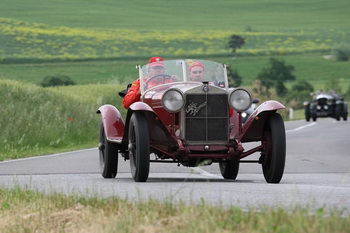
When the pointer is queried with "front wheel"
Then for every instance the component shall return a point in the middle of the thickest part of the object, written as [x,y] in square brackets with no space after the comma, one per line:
[307,113]
[139,151]
[274,154]
[229,169]
[108,153]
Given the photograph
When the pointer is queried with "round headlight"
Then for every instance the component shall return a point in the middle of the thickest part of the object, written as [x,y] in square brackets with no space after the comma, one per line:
[240,99]
[173,100]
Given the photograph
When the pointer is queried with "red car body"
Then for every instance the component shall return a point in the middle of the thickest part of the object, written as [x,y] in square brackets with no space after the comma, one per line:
[204,129]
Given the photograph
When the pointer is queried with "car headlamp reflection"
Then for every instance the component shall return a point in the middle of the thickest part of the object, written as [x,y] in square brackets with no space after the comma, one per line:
[173,100]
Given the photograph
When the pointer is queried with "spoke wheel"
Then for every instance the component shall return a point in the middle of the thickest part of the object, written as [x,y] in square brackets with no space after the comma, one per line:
[108,153]
[139,151]
[274,154]
[229,169]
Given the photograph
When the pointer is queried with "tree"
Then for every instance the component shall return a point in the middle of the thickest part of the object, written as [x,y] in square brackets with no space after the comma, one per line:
[341,52]
[299,93]
[281,90]
[235,42]
[275,75]
[57,80]
[303,85]
[234,79]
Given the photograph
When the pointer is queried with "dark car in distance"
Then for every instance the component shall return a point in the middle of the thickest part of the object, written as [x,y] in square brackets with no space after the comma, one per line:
[326,105]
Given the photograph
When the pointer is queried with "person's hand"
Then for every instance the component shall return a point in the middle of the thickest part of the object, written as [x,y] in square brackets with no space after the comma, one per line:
[174,78]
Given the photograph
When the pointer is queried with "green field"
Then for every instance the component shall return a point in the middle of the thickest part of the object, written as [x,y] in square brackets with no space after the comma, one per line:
[261,15]
[310,67]
[37,31]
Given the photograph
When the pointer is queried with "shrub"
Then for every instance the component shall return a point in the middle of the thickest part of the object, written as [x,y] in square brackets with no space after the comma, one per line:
[341,53]
[58,80]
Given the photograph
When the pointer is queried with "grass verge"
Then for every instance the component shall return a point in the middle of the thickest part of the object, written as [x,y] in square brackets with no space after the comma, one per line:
[36,120]
[36,212]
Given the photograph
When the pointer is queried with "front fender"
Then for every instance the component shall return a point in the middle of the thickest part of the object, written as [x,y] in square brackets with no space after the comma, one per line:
[112,122]
[159,134]
[253,127]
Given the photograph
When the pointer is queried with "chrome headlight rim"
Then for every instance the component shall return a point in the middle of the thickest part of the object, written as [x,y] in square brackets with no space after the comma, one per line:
[247,97]
[179,105]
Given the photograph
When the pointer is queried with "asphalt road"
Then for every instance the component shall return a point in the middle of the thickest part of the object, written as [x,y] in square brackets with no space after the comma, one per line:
[317,175]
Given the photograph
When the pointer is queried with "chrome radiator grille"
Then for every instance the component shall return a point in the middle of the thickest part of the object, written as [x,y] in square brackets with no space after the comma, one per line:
[206,118]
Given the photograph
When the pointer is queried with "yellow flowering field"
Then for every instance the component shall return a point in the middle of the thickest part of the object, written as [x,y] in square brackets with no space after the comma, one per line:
[21,40]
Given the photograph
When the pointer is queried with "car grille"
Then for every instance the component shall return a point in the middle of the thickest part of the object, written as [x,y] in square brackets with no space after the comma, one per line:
[206,118]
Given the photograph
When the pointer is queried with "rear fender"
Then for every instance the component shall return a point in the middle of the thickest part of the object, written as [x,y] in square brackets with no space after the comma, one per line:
[159,134]
[112,122]
[253,127]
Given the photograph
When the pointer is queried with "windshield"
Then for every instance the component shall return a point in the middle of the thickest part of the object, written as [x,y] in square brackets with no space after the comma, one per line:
[191,70]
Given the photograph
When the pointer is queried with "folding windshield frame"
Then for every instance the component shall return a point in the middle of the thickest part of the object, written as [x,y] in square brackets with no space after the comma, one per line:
[185,68]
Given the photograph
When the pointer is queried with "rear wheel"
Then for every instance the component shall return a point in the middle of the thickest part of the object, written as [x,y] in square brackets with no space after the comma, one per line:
[108,153]
[139,152]
[229,169]
[274,154]
[345,112]
[338,112]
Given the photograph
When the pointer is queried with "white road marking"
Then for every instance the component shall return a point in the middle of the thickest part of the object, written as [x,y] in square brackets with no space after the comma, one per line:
[45,156]
[301,127]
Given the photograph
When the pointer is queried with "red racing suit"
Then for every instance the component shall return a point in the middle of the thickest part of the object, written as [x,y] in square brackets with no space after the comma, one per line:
[133,94]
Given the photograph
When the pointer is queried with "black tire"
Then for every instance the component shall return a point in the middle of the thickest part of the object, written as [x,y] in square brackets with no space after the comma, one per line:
[338,112]
[345,112]
[139,149]
[314,117]
[108,153]
[307,113]
[229,170]
[274,155]
[307,118]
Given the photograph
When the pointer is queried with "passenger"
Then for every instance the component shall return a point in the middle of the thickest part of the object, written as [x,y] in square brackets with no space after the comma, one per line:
[197,71]
[332,93]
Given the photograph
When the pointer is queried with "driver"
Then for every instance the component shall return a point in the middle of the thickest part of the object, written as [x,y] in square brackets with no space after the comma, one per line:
[155,67]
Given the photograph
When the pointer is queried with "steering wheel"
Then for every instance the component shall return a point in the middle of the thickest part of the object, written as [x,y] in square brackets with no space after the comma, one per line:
[165,76]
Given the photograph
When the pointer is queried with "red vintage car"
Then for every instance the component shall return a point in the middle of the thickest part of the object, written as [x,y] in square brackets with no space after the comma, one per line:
[191,123]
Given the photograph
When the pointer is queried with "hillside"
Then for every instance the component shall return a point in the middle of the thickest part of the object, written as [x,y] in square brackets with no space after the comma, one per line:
[260,15]
[36,120]
[37,31]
